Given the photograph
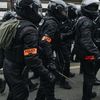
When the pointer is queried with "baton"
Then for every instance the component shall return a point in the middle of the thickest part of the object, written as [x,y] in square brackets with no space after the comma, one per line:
[65,77]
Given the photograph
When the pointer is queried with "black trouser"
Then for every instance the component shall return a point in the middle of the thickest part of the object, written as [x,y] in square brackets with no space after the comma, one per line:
[63,60]
[97,67]
[1,82]
[88,79]
[81,66]
[17,83]
[65,55]
[46,90]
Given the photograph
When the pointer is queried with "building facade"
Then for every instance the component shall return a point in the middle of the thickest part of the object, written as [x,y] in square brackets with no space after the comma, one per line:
[77,1]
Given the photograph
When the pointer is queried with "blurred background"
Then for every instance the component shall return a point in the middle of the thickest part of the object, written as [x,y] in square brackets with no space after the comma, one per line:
[9,5]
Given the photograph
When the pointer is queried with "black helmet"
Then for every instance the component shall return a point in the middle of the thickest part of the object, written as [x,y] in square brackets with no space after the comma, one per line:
[8,15]
[90,8]
[58,9]
[72,11]
[29,9]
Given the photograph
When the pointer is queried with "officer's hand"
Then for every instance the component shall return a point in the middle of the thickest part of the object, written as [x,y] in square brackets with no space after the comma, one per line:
[48,76]
[51,77]
[52,67]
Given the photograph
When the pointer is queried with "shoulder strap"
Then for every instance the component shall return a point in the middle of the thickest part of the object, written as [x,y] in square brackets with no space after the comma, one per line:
[25,23]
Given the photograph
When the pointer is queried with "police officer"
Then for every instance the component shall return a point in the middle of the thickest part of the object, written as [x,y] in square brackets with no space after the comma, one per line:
[8,15]
[72,11]
[23,52]
[66,41]
[97,42]
[67,38]
[64,51]
[73,16]
[87,50]
[49,37]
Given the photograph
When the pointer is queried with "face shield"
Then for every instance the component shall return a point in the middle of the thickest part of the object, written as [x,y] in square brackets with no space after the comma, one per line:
[36,8]
[65,12]
[36,12]
[93,7]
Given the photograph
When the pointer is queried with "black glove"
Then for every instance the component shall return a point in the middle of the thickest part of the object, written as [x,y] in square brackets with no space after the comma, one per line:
[48,76]
[51,77]
[51,67]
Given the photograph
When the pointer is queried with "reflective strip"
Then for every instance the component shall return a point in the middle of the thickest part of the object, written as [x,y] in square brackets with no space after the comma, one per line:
[89,58]
[32,51]
[47,38]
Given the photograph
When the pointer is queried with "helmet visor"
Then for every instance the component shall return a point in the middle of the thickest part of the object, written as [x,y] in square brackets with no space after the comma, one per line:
[65,12]
[36,8]
[93,7]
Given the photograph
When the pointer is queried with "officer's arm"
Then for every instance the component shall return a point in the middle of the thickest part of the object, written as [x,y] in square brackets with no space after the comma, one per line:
[48,32]
[86,38]
[31,51]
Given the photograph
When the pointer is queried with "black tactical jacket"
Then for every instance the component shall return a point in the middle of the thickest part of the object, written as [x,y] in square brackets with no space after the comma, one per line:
[49,28]
[84,32]
[66,30]
[24,49]
[97,32]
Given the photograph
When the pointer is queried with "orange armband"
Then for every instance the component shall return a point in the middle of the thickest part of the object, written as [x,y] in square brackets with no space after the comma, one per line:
[32,51]
[47,38]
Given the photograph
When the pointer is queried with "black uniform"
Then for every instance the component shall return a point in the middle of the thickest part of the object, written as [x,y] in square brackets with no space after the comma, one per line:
[23,52]
[67,38]
[63,52]
[49,37]
[88,52]
[8,15]
[97,38]
[47,31]
[66,41]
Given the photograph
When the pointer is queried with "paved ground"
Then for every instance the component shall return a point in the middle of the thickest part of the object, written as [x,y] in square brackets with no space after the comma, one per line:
[73,94]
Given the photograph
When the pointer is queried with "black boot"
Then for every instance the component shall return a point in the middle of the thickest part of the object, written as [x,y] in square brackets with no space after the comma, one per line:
[94,94]
[57,99]
[97,82]
[2,85]
[32,86]
[66,70]
[65,85]
[71,75]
